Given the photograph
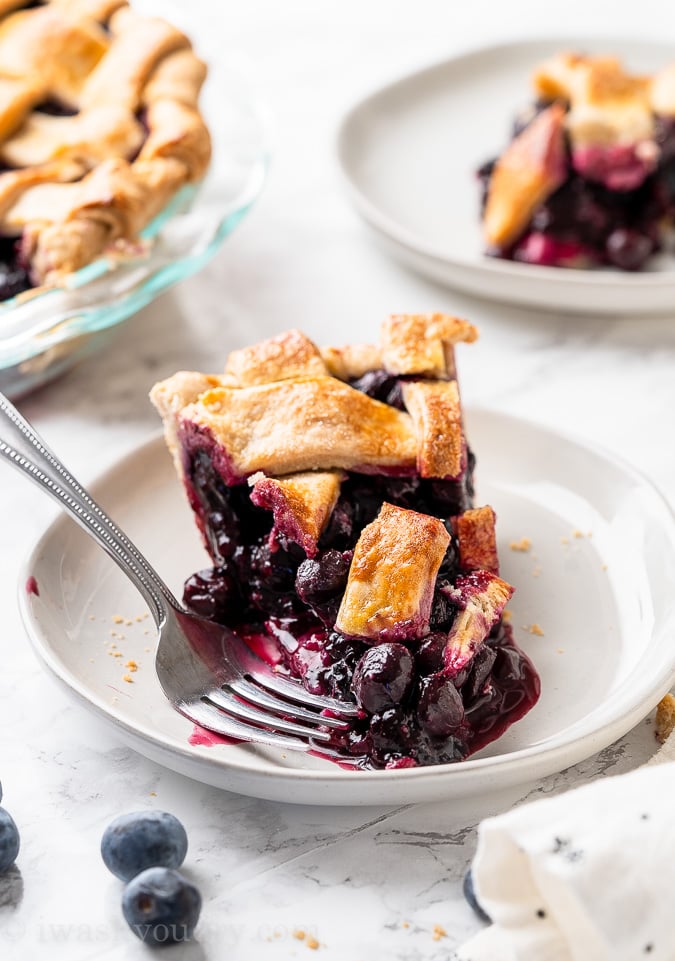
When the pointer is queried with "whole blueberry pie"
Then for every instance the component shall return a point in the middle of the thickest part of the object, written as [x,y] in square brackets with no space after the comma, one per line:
[588,178]
[334,492]
[99,129]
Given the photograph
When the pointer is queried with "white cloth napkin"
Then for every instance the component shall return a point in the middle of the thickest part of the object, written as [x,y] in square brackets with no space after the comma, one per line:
[585,876]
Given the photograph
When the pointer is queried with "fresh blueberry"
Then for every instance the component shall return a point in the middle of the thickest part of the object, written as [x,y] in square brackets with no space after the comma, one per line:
[471,899]
[9,841]
[382,677]
[439,710]
[143,839]
[161,907]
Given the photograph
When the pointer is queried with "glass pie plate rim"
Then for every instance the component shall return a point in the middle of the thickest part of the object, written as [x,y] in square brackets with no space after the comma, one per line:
[45,332]
[625,621]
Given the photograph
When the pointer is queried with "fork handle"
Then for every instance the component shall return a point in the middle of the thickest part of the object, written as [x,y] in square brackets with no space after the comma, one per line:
[22,447]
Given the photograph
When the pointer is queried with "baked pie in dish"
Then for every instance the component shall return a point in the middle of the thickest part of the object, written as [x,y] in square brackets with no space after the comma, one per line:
[588,178]
[334,492]
[99,129]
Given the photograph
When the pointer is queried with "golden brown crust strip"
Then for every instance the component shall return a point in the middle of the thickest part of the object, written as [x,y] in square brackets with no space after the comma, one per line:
[290,354]
[392,576]
[528,171]
[475,530]
[437,415]
[301,503]
[314,423]
[415,343]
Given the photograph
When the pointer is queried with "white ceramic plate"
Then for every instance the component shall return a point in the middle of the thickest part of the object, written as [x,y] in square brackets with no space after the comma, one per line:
[409,154]
[603,601]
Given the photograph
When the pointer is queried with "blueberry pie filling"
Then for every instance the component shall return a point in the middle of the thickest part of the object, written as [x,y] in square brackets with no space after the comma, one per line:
[588,178]
[334,493]
[99,129]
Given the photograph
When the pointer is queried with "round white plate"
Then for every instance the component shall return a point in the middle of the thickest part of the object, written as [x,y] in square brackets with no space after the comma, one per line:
[409,153]
[597,581]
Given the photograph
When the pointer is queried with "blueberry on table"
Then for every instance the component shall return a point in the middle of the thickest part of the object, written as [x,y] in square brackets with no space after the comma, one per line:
[9,841]
[143,839]
[161,907]
[471,899]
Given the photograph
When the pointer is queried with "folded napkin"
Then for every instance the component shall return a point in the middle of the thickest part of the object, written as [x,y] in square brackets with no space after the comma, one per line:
[588,875]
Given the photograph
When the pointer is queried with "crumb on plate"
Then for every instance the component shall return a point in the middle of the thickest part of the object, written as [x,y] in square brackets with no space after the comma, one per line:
[665,718]
[524,545]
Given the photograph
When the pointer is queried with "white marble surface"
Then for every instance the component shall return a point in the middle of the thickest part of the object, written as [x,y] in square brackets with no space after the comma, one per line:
[367,884]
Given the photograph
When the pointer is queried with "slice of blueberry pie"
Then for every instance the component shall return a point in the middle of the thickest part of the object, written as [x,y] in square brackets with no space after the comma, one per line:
[99,129]
[333,489]
[588,178]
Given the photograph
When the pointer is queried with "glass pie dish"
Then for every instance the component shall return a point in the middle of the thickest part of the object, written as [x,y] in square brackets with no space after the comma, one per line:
[45,332]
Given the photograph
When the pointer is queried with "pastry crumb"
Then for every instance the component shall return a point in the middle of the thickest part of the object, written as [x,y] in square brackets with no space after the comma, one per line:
[405,924]
[560,650]
[564,540]
[300,935]
[117,619]
[153,793]
[603,567]
[132,665]
[115,653]
[128,678]
[439,932]
[312,943]
[523,545]
[577,533]
[665,718]
[92,617]
[507,615]
[536,571]
[128,622]
[536,629]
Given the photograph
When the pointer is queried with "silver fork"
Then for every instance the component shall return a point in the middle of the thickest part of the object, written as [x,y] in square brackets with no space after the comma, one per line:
[206,671]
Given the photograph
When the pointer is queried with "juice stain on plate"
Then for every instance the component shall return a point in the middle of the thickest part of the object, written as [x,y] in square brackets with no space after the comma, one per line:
[201,737]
